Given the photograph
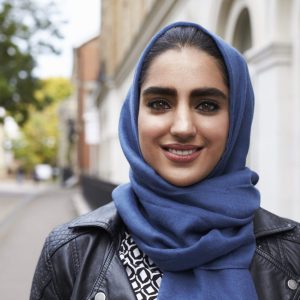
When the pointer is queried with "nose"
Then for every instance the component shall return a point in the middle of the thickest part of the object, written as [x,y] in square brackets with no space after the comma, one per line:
[183,126]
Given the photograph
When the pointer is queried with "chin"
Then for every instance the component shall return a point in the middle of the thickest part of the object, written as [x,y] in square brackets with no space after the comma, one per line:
[182,182]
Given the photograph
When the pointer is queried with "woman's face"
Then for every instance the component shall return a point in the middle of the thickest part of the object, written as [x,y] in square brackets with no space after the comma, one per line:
[183,116]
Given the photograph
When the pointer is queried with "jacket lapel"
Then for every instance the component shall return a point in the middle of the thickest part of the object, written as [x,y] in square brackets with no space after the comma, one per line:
[266,223]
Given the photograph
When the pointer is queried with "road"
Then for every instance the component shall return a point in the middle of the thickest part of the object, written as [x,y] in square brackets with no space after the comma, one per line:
[28,212]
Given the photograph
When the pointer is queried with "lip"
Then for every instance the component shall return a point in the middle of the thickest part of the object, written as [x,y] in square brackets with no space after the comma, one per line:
[181,153]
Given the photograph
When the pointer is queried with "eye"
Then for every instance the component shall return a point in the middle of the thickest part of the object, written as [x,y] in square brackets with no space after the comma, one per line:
[208,106]
[159,105]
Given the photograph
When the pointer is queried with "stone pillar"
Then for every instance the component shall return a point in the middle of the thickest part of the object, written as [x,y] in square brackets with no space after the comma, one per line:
[272,152]
[295,176]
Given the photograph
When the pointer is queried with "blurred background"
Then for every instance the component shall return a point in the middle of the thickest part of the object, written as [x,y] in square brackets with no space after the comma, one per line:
[65,69]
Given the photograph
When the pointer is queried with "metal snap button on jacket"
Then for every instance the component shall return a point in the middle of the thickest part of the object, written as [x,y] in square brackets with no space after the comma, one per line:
[100,296]
[292,284]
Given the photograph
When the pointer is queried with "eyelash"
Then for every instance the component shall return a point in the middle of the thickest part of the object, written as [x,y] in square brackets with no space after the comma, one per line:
[206,106]
[164,105]
[210,106]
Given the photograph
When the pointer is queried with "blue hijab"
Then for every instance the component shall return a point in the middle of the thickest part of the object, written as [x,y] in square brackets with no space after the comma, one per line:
[200,236]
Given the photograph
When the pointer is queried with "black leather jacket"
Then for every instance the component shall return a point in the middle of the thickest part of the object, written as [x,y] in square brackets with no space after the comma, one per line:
[79,260]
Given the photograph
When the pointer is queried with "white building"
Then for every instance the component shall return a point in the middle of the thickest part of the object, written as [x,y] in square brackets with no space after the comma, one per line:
[267,32]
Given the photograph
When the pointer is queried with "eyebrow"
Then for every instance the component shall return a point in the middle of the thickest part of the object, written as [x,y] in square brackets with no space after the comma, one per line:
[199,92]
[210,92]
[157,90]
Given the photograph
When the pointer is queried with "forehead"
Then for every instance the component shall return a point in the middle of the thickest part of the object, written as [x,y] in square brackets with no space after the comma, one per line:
[187,67]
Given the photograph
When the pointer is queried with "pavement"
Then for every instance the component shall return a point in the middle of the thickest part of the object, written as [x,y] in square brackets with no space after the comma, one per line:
[13,195]
[29,213]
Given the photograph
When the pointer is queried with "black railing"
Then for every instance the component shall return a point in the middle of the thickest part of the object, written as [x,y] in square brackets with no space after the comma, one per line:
[95,191]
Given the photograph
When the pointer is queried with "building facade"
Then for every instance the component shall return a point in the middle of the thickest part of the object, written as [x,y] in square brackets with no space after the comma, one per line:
[266,32]
[86,76]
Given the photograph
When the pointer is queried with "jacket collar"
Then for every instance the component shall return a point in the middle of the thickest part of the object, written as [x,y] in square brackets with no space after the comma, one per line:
[266,223]
[107,218]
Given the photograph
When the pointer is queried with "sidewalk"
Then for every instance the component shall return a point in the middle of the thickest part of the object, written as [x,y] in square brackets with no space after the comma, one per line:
[21,241]
[10,185]
[14,195]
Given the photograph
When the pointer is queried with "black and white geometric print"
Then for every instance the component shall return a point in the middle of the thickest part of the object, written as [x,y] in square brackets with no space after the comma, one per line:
[143,275]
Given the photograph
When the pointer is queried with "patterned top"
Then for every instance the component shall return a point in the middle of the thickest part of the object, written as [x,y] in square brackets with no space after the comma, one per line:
[143,275]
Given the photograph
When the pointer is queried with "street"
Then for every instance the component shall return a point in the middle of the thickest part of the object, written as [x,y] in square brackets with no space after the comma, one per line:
[28,212]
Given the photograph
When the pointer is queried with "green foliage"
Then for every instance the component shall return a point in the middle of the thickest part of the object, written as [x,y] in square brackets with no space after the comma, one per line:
[38,143]
[52,90]
[39,136]
[25,31]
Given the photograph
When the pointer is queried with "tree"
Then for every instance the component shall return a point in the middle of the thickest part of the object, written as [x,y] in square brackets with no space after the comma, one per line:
[38,142]
[39,136]
[25,32]
[52,90]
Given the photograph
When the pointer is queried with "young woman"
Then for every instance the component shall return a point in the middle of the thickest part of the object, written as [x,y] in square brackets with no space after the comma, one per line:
[189,224]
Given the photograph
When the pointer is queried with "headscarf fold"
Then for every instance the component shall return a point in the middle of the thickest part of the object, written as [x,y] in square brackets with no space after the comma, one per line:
[200,236]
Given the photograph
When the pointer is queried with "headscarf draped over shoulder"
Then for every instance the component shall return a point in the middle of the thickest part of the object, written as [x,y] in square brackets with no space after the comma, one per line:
[200,236]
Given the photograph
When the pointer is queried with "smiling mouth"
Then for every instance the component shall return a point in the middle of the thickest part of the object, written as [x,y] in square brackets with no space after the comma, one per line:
[182,153]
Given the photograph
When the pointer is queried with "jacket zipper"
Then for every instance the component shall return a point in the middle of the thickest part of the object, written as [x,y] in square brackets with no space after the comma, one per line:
[281,268]
[106,264]
[277,264]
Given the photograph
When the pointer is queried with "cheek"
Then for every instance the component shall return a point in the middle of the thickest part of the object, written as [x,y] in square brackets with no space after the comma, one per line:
[215,129]
[150,128]
[222,132]
[149,131]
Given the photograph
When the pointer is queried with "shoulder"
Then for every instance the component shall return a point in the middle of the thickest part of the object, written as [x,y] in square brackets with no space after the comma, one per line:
[103,220]
[267,223]
[65,249]
[276,234]
[277,256]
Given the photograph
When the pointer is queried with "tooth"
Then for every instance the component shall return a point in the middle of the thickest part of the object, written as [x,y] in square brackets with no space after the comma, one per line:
[181,152]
